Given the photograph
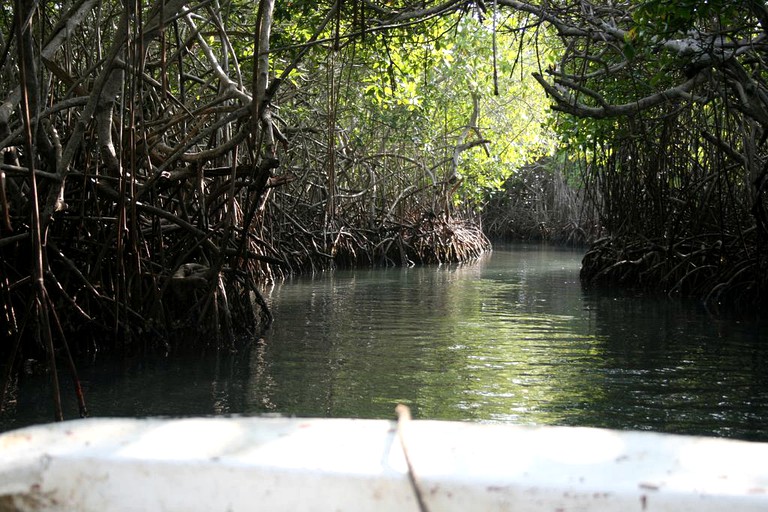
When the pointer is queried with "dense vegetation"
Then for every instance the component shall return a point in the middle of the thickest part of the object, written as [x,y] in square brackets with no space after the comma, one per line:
[668,114]
[162,161]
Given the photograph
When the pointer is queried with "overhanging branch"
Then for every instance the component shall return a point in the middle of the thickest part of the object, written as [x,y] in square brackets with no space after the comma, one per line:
[566,102]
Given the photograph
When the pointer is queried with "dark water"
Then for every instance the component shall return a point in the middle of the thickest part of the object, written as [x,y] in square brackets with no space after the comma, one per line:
[509,338]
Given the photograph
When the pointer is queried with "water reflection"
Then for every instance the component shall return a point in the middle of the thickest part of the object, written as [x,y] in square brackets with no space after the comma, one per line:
[511,337]
[671,367]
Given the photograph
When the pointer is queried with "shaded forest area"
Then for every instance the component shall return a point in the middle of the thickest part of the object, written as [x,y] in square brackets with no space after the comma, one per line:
[161,162]
[667,104]
[172,177]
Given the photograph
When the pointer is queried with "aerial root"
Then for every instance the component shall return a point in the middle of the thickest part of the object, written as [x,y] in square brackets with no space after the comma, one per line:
[700,266]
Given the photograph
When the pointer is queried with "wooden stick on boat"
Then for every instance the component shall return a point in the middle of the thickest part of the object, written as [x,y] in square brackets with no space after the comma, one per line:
[403,418]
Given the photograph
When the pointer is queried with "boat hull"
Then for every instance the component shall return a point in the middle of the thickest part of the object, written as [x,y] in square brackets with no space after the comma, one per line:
[239,464]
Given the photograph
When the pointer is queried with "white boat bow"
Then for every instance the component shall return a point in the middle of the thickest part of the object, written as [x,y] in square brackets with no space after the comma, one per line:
[274,464]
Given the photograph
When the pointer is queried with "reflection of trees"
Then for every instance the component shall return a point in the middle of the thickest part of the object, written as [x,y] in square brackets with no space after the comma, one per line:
[149,385]
[261,384]
[522,358]
[470,341]
[512,338]
[362,336]
[669,367]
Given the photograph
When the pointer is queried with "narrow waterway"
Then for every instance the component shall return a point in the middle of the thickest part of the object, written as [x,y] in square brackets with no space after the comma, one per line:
[512,337]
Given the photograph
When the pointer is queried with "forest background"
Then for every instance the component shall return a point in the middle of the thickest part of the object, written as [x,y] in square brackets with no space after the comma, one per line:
[162,161]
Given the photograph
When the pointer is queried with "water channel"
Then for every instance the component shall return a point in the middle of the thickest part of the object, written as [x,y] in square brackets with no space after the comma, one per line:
[511,337]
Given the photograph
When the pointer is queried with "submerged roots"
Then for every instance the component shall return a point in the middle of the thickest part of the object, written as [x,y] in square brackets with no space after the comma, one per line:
[719,270]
